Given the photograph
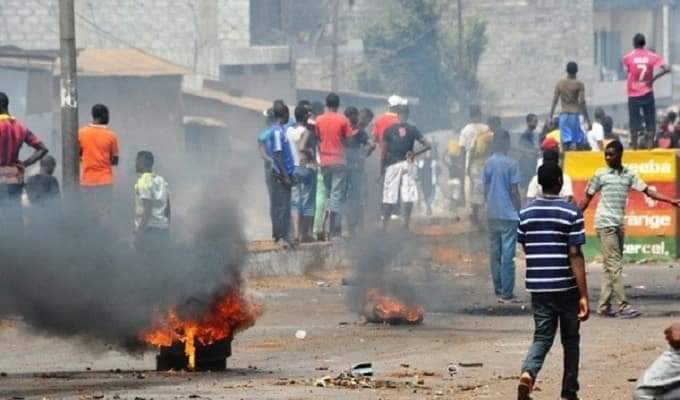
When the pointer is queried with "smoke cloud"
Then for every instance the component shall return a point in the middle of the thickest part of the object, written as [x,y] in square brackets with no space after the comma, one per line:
[385,261]
[72,278]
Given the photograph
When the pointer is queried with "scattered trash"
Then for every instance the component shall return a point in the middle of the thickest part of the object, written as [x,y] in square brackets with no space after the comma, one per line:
[323,284]
[321,368]
[362,369]
[466,388]
[194,396]
[98,396]
[632,379]
[438,393]
[301,334]
[627,286]
[141,376]
[641,287]
[3,374]
[404,365]
[428,373]
[471,365]
[343,323]
[323,382]
[453,369]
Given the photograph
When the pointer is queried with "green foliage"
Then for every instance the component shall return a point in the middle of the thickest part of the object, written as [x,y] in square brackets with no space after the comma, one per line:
[412,51]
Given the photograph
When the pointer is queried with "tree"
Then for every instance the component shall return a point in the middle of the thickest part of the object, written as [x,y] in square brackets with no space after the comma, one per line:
[412,51]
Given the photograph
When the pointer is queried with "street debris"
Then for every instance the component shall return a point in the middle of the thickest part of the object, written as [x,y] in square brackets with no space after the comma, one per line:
[471,365]
[301,334]
[362,369]
[453,369]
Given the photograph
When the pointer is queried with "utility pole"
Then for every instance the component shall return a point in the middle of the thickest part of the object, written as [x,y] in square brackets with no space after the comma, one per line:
[461,53]
[69,98]
[334,55]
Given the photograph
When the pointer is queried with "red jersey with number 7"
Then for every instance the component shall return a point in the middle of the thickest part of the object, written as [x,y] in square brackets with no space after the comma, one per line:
[640,64]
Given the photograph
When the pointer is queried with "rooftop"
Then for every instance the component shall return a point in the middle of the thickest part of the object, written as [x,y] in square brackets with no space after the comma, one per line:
[125,62]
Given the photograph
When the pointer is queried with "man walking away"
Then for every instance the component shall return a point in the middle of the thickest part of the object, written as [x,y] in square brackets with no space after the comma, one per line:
[468,137]
[571,92]
[333,129]
[43,189]
[528,152]
[551,233]
[661,381]
[98,155]
[500,179]
[152,208]
[359,147]
[13,135]
[304,177]
[283,168]
[401,173]
[613,183]
[640,64]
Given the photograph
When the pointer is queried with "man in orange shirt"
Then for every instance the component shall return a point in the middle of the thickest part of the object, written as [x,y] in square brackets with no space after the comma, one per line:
[98,155]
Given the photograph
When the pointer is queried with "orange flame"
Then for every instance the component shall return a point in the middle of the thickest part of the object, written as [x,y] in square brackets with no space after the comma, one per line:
[228,315]
[388,308]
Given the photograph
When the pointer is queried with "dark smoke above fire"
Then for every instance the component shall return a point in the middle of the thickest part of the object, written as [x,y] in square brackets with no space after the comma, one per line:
[71,278]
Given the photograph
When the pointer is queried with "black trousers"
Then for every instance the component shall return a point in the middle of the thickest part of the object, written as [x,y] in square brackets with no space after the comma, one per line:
[280,209]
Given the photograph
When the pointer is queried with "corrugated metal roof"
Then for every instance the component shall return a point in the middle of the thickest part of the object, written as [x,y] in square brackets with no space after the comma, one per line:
[125,62]
[249,103]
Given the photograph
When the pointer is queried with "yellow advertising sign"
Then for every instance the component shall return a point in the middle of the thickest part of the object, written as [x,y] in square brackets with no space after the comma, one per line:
[652,165]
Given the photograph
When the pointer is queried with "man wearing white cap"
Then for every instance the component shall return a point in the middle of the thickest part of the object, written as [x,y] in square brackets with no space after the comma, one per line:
[391,117]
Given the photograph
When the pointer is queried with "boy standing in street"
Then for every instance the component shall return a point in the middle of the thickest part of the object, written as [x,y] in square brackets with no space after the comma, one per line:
[152,207]
[551,233]
[42,189]
[613,183]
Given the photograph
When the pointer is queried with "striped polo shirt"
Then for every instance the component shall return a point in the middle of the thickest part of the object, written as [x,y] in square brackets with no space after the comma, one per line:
[547,227]
[613,186]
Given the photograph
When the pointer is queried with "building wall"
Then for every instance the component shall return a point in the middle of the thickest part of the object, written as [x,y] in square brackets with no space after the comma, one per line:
[529,44]
[190,33]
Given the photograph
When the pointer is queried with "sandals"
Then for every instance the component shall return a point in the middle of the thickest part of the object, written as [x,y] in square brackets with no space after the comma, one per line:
[526,384]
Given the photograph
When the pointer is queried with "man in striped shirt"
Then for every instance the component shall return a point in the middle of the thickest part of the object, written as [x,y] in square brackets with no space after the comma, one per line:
[613,183]
[551,232]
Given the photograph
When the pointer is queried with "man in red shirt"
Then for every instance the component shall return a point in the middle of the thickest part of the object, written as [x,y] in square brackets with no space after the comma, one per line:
[640,64]
[332,128]
[13,134]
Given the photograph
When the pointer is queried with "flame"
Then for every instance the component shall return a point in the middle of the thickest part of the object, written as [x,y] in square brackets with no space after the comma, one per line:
[228,315]
[388,308]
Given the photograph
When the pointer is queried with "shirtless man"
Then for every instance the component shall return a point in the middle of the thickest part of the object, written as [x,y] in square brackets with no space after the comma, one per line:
[571,92]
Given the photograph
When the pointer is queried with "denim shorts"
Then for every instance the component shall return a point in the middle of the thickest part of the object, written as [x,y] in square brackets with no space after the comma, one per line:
[303,197]
[571,132]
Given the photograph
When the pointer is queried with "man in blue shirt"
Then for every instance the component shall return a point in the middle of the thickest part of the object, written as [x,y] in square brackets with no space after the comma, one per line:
[551,232]
[283,166]
[501,192]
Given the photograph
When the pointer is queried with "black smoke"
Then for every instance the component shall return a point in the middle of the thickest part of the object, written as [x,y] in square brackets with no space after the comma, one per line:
[70,277]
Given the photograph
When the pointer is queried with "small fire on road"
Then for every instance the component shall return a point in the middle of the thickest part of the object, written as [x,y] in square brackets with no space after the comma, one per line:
[383,308]
[228,314]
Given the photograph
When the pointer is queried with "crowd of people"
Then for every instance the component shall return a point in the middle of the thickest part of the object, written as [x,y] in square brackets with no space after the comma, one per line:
[98,156]
[315,167]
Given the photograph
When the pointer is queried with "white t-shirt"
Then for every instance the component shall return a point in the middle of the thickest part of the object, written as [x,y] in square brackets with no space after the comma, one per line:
[294,135]
[596,135]
[467,137]
[536,190]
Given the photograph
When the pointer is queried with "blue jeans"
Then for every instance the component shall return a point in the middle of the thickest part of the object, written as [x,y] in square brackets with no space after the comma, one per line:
[335,179]
[502,243]
[551,309]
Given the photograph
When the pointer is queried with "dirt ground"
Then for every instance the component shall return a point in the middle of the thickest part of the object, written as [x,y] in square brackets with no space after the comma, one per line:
[463,324]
